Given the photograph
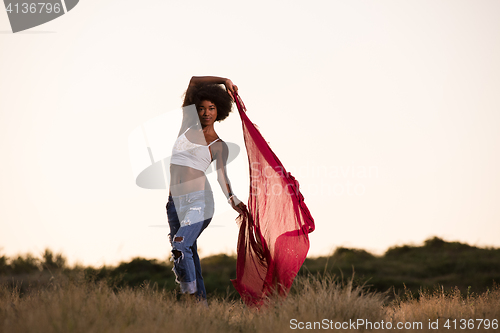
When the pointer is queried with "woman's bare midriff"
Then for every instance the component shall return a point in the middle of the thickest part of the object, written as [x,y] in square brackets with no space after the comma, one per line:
[184,180]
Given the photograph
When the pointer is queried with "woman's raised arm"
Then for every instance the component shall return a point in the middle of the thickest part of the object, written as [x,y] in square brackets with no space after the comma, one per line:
[196,80]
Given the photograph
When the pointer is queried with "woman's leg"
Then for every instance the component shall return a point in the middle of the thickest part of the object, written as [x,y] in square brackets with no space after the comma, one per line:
[200,285]
[201,292]
[173,219]
[184,247]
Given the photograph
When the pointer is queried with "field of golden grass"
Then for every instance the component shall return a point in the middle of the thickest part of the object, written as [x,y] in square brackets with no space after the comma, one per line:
[73,304]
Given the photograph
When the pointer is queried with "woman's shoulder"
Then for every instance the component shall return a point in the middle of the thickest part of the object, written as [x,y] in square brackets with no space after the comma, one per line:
[218,145]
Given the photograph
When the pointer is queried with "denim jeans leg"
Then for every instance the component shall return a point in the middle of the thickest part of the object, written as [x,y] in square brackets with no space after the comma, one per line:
[186,264]
[200,285]
[186,260]
[173,219]
[188,216]
[199,277]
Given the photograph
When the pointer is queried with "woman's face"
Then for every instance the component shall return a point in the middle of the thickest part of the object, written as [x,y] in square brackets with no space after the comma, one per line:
[207,111]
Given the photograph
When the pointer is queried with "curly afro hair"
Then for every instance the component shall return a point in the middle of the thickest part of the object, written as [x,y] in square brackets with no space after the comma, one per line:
[213,93]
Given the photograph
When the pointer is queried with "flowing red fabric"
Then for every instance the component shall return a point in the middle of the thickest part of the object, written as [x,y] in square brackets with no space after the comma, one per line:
[273,238]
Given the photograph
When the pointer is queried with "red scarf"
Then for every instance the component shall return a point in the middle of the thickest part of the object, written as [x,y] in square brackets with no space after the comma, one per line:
[273,239]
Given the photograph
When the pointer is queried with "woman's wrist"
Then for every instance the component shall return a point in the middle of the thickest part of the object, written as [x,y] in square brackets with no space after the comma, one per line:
[234,201]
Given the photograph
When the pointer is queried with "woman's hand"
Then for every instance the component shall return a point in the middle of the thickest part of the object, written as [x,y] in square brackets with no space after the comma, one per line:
[231,88]
[237,205]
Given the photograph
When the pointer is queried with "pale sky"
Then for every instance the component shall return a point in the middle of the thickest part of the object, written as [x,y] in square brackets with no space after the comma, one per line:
[386,112]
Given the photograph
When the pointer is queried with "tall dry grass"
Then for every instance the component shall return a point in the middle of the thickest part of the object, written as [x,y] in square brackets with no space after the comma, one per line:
[71,304]
[471,313]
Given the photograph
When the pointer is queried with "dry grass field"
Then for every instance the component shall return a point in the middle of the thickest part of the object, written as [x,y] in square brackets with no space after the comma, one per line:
[71,303]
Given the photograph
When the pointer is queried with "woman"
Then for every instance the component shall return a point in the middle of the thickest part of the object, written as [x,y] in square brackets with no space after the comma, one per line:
[190,204]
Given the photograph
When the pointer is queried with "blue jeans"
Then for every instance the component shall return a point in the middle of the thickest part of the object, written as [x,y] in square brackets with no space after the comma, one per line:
[188,215]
